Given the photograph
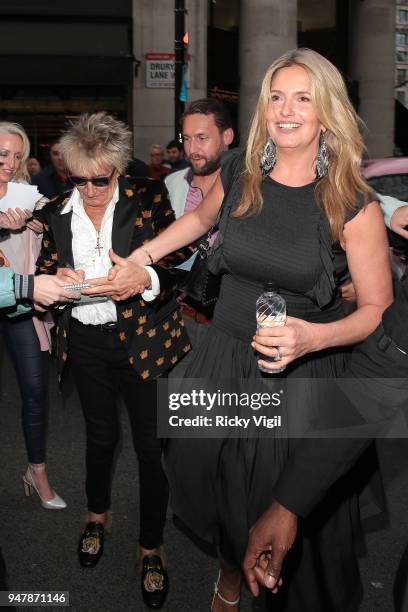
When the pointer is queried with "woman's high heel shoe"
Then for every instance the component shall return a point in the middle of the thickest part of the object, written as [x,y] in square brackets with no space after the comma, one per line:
[218,594]
[55,503]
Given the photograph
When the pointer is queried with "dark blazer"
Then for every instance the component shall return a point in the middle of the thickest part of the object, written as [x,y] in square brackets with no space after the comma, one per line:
[153,332]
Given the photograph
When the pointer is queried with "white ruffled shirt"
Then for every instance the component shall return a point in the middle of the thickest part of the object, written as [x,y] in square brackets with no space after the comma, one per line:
[96,262]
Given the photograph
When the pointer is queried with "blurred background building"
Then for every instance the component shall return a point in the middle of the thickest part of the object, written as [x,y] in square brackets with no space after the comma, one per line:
[62,58]
[401,52]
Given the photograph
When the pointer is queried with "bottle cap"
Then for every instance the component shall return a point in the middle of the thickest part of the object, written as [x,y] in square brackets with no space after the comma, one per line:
[270,287]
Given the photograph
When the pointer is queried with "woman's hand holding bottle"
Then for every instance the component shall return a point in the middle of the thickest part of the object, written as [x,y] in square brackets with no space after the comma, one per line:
[284,344]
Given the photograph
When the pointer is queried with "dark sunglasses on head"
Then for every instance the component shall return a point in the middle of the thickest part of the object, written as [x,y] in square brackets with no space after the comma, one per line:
[97,181]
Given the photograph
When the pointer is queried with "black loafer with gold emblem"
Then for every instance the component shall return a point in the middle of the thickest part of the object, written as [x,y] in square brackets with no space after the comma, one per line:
[90,547]
[155,582]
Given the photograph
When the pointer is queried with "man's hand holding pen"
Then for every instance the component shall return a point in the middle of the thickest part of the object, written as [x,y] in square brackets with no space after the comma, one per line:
[70,276]
[125,279]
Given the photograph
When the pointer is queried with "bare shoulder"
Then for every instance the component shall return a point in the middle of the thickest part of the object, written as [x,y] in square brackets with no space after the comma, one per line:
[370,214]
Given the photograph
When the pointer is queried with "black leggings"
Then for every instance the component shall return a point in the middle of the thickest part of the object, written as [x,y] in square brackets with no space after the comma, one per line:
[30,364]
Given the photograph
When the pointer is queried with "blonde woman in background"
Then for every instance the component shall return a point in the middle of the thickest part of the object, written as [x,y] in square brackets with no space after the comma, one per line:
[25,337]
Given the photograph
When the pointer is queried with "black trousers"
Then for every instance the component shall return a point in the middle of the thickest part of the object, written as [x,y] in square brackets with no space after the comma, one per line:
[102,372]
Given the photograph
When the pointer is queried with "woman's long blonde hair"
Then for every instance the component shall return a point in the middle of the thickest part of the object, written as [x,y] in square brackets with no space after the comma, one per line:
[337,190]
[15,129]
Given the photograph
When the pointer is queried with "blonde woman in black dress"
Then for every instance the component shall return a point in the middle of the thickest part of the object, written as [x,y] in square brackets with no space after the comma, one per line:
[295,193]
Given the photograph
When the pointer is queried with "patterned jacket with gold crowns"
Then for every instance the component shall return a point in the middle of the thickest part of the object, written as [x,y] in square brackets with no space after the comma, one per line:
[153,332]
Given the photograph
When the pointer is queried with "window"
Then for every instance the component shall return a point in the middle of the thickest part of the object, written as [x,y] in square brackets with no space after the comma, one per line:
[401,38]
[402,56]
[401,77]
[402,15]
[401,96]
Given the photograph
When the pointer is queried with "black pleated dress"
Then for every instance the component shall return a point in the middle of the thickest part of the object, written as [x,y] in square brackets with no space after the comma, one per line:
[220,487]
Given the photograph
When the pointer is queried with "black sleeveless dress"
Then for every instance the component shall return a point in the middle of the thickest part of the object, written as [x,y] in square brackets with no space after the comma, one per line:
[220,487]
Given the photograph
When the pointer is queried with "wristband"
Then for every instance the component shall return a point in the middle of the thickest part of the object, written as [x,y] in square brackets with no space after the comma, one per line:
[24,286]
[148,254]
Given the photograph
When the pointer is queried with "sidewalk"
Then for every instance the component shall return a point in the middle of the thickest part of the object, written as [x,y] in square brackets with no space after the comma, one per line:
[40,546]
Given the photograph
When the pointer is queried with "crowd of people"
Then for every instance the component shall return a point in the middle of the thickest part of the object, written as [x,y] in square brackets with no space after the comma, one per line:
[104,254]
[52,180]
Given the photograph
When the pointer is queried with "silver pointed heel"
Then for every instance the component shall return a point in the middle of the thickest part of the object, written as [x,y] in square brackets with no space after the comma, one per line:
[28,489]
[55,503]
[218,594]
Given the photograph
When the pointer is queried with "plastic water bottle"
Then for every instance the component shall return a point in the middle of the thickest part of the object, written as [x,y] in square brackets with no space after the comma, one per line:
[270,312]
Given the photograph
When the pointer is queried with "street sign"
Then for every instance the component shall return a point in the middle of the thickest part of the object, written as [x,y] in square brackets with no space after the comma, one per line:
[160,70]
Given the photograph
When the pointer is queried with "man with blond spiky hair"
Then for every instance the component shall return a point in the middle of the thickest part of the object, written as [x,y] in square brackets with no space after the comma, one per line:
[114,348]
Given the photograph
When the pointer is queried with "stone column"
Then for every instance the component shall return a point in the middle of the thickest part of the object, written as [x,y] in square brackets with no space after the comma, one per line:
[153,32]
[372,64]
[268,28]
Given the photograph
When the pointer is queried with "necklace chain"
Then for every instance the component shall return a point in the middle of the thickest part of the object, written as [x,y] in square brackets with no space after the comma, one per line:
[98,245]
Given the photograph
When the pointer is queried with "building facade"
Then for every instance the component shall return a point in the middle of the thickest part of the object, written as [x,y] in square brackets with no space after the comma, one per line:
[153,87]
[401,52]
[62,58]
[59,59]
[350,33]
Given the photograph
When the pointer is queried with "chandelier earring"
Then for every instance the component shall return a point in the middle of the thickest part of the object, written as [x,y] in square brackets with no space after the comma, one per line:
[322,159]
[268,158]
